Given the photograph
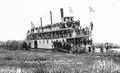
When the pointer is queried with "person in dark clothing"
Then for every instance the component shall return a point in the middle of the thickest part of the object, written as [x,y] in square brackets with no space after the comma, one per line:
[89,48]
[59,44]
[68,46]
[54,44]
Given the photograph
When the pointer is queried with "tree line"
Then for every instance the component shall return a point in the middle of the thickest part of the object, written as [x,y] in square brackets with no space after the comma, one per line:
[22,45]
[13,45]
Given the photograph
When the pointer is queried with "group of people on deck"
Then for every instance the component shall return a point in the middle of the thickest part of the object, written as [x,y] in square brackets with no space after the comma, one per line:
[61,45]
[71,47]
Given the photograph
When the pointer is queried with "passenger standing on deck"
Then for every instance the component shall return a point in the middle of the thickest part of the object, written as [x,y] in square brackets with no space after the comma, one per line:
[72,47]
[86,48]
[89,47]
[83,48]
[93,48]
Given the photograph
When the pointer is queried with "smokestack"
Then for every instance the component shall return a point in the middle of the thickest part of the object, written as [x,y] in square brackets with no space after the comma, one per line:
[62,13]
[51,16]
[41,21]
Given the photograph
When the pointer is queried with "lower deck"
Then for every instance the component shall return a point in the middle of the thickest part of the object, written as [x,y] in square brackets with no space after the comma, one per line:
[48,43]
[45,44]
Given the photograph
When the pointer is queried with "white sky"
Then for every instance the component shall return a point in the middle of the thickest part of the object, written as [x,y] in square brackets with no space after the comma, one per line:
[16,15]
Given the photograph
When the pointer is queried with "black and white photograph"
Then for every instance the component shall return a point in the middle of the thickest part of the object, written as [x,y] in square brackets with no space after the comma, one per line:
[59,36]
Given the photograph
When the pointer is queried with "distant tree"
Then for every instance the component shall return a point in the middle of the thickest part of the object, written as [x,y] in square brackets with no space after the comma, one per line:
[25,46]
[12,45]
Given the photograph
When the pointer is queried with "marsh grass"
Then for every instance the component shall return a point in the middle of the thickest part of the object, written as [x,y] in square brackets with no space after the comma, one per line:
[37,62]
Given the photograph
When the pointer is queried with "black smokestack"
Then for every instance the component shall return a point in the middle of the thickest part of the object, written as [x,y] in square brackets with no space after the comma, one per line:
[41,21]
[51,17]
[62,13]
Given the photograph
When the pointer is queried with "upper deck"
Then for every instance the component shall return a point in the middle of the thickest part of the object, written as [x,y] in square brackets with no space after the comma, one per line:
[68,27]
[66,24]
[64,31]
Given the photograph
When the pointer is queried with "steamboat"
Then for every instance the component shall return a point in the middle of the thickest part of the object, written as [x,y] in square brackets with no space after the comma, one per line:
[67,35]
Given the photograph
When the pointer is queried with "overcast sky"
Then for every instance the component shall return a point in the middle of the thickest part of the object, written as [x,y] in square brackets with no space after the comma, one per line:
[16,16]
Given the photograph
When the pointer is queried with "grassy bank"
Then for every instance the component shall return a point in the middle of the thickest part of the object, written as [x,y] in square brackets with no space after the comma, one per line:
[39,62]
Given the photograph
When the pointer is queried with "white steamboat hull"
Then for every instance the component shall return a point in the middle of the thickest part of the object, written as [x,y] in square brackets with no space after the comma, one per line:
[44,44]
